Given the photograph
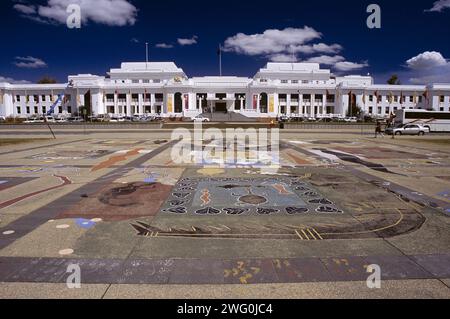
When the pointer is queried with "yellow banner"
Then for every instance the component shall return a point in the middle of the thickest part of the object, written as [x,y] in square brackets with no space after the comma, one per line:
[272,104]
[170,104]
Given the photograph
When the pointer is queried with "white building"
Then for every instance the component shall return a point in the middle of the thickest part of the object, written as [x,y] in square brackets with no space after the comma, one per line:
[301,89]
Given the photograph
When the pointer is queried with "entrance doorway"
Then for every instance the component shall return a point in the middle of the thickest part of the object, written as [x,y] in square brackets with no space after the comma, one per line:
[221,107]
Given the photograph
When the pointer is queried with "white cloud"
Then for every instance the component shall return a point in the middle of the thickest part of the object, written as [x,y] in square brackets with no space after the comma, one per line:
[135,40]
[426,60]
[439,6]
[164,46]
[108,12]
[291,45]
[12,81]
[316,48]
[270,41]
[29,62]
[25,9]
[283,58]
[190,41]
[346,66]
[428,67]
[326,59]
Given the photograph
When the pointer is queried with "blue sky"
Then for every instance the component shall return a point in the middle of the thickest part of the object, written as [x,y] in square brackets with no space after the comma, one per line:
[412,42]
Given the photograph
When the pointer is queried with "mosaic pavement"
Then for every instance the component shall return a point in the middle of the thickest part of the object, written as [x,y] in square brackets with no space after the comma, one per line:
[122,209]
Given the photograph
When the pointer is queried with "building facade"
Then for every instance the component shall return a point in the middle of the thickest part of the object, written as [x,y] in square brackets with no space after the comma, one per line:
[295,89]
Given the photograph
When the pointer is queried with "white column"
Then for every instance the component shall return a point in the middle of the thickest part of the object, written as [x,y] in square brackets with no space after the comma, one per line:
[288,104]
[115,102]
[300,104]
[324,104]
[313,102]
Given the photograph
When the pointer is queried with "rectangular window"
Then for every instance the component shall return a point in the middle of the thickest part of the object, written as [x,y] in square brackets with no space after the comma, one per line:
[36,98]
[370,110]
[36,110]
[69,109]
[17,98]
[442,99]
[411,99]
[28,110]
[305,82]
[284,81]
[146,81]
[420,99]
[330,98]
[294,81]
[135,81]
[263,80]
[19,110]
[442,109]
[44,110]
[370,98]
[43,97]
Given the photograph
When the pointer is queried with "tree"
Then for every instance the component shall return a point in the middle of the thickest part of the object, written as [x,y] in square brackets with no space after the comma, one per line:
[47,80]
[394,80]
[354,111]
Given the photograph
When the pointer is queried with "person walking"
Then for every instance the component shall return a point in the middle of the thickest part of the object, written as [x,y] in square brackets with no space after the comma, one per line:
[378,130]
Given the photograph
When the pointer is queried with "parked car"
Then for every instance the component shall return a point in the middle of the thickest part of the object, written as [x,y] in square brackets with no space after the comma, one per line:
[351,120]
[35,120]
[200,118]
[75,119]
[409,129]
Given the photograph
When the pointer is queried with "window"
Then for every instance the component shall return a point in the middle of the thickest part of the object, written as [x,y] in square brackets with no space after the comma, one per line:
[19,110]
[69,109]
[44,109]
[263,80]
[330,98]
[28,110]
[441,109]
[157,81]
[379,110]
[294,81]
[146,81]
[305,82]
[284,81]
[411,99]
[370,110]
[135,81]
[43,97]
[36,110]
[442,99]
[36,98]
[17,98]
[420,99]
[370,98]
[380,99]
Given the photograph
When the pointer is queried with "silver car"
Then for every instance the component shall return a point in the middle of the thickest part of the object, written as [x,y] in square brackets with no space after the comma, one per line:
[408,129]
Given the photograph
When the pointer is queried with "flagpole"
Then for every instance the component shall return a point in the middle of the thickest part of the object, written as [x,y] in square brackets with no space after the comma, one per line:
[220,59]
[146,55]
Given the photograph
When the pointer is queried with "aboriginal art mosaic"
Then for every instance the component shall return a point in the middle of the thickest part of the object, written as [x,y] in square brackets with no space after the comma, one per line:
[247,196]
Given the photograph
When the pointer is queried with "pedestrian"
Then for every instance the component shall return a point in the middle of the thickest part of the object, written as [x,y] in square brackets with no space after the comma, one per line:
[378,130]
